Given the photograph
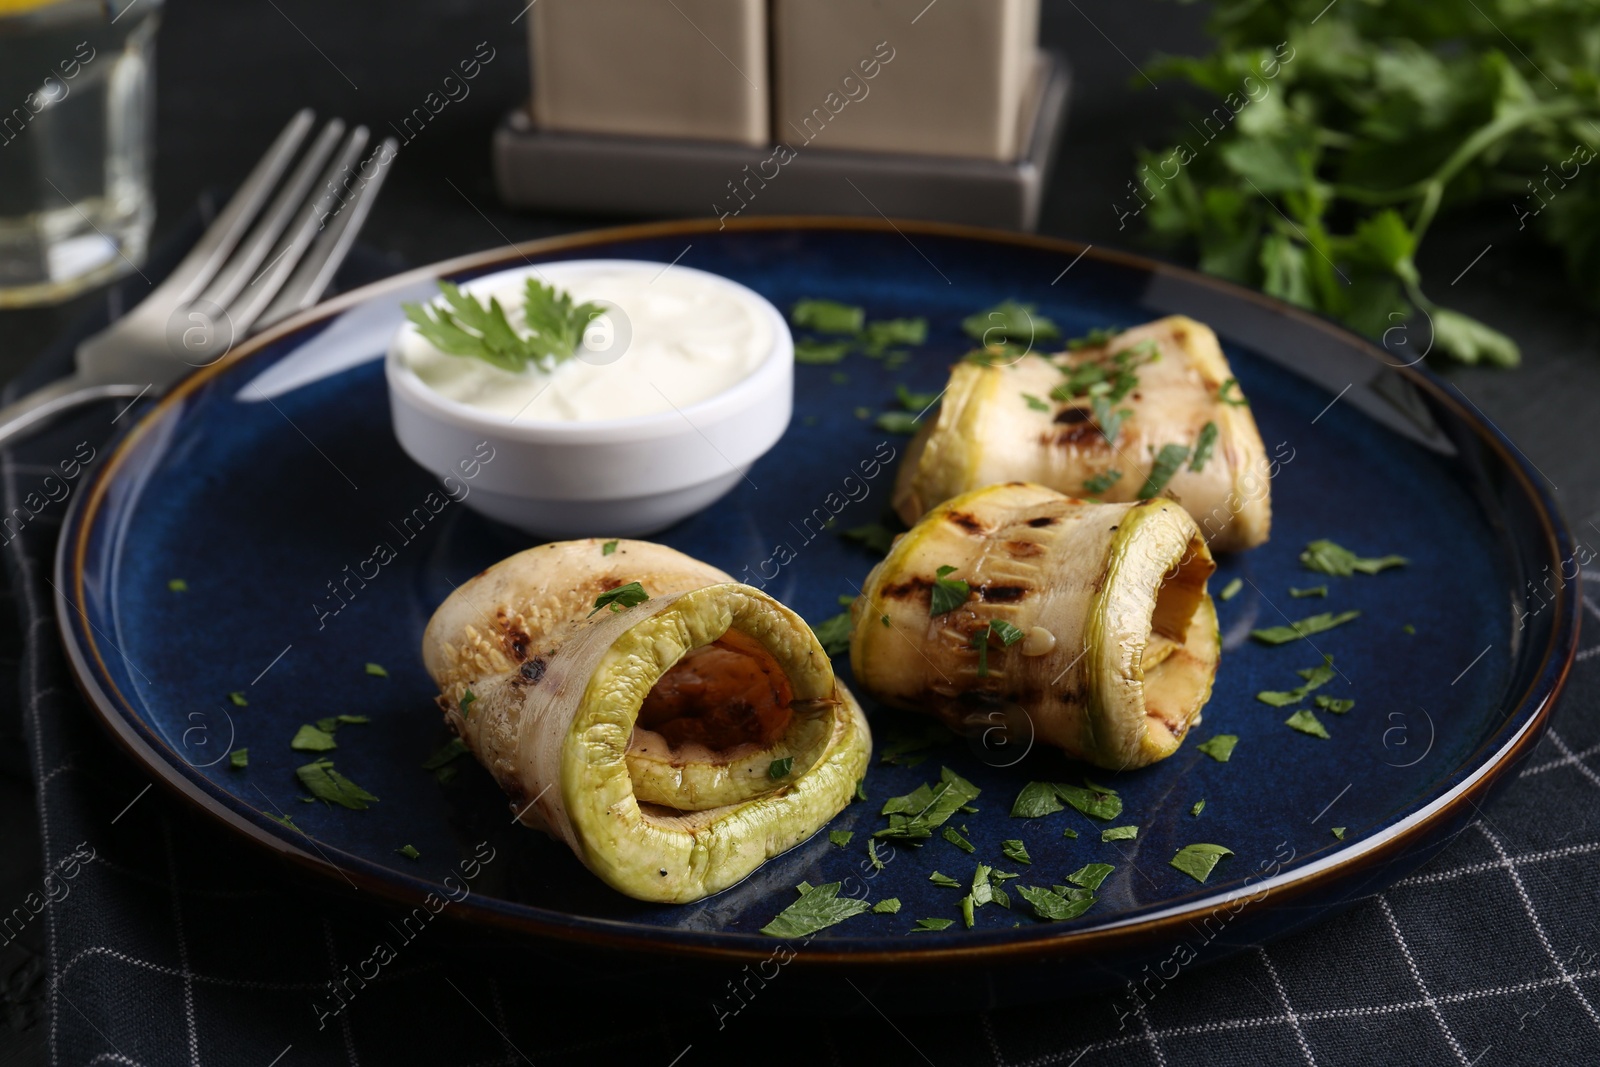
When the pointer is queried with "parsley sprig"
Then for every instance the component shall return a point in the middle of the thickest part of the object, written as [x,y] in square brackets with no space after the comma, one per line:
[465,326]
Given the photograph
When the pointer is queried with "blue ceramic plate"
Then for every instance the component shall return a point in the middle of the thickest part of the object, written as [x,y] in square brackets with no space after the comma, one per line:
[263,507]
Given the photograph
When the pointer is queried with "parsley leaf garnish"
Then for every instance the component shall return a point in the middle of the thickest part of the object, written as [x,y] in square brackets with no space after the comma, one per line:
[827,316]
[957,840]
[1220,747]
[1055,907]
[1231,590]
[1034,403]
[1045,798]
[901,422]
[1101,482]
[1015,850]
[947,594]
[464,326]
[1203,446]
[818,908]
[238,700]
[944,880]
[820,353]
[623,596]
[874,535]
[178,585]
[468,698]
[1168,460]
[915,815]
[1119,833]
[1314,624]
[608,548]
[327,784]
[1009,321]
[1338,831]
[917,402]
[932,924]
[376,670]
[887,906]
[834,633]
[1098,337]
[1090,875]
[1199,806]
[1007,633]
[409,852]
[1334,704]
[872,855]
[1330,558]
[452,749]
[1225,391]
[779,768]
[239,758]
[312,739]
[1307,722]
[1315,590]
[840,837]
[1316,677]
[1199,860]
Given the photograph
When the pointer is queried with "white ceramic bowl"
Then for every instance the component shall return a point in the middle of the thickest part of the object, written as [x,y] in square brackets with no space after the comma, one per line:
[613,477]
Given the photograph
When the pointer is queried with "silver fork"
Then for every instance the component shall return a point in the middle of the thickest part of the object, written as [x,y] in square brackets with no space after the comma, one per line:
[270,253]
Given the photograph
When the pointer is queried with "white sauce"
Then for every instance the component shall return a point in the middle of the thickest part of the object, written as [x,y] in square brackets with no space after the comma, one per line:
[681,337]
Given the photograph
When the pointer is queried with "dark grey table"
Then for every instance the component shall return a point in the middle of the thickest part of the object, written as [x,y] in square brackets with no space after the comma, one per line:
[230,74]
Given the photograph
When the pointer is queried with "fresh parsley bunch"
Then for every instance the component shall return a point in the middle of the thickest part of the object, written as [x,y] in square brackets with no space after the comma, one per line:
[465,326]
[1347,127]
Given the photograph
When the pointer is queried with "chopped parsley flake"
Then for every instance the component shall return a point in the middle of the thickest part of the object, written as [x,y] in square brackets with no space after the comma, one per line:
[1007,633]
[1009,321]
[1119,833]
[1203,446]
[1034,403]
[1101,482]
[1314,624]
[310,738]
[902,422]
[818,908]
[918,402]
[1070,832]
[467,699]
[1315,677]
[1231,590]
[239,758]
[1315,590]
[833,634]
[327,784]
[915,815]
[820,353]
[874,535]
[178,585]
[1220,747]
[238,700]
[608,548]
[1016,851]
[1109,419]
[623,596]
[779,768]
[376,670]
[888,906]
[827,316]
[452,749]
[957,840]
[1225,394]
[944,879]
[1098,337]
[284,819]
[1307,722]
[840,837]
[967,918]
[932,924]
[1045,798]
[1055,907]
[1168,460]
[1327,557]
[882,333]
[947,594]
[861,789]
[1338,831]
[1335,704]
[1199,806]
[1199,860]
[1090,875]
[409,852]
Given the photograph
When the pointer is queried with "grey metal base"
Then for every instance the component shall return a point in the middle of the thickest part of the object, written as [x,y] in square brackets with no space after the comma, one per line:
[643,176]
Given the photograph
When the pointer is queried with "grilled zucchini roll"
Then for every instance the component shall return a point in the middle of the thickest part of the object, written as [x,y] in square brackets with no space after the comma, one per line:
[675,738]
[1083,626]
[1153,411]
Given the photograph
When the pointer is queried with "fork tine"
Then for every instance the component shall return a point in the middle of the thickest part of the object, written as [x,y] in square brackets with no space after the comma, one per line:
[248,305]
[317,268]
[253,250]
[212,250]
